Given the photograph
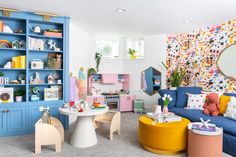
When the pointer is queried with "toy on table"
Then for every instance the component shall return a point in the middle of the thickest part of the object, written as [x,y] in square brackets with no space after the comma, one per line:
[79,106]
[212,105]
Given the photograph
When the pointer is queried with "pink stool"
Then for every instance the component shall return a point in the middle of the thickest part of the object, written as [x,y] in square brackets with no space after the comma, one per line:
[205,144]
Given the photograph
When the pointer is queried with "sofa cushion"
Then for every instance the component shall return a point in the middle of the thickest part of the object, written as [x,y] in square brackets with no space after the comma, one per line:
[228,125]
[224,103]
[182,97]
[230,94]
[172,93]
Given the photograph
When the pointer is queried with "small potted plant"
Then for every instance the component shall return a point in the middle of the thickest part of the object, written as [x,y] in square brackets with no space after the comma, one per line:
[132,53]
[19,95]
[166,99]
[34,91]
[176,76]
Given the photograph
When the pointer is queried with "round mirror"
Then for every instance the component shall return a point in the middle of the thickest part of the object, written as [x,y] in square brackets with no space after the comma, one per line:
[227,62]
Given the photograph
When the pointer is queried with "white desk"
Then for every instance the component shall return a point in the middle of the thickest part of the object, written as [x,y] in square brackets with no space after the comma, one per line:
[84,134]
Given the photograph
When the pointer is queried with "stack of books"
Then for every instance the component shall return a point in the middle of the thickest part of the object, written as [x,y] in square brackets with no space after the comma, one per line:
[19,62]
[200,127]
[164,118]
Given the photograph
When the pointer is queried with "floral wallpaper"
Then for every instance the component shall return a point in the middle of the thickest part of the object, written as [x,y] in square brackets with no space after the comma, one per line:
[198,52]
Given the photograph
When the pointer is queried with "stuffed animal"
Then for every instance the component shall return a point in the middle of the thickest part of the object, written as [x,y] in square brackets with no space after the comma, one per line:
[212,105]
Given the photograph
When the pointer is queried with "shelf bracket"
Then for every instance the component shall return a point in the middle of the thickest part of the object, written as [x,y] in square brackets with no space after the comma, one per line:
[7,11]
[46,16]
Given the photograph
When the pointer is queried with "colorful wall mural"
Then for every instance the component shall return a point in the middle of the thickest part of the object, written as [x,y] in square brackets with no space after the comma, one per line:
[198,52]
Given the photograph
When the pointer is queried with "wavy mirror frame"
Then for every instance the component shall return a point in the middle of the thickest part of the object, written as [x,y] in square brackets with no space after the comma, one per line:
[217,63]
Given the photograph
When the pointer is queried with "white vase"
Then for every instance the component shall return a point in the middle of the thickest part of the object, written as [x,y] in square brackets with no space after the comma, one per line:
[173,88]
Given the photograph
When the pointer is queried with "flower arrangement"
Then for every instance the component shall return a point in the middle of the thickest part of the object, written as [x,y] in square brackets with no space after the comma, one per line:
[166,99]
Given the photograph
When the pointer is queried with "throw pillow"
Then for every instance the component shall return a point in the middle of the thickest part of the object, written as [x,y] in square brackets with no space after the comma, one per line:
[196,101]
[231,109]
[172,93]
[224,103]
[182,96]
[219,93]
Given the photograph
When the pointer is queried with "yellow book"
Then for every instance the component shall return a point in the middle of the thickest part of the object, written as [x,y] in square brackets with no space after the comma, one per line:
[17,62]
[13,63]
[22,62]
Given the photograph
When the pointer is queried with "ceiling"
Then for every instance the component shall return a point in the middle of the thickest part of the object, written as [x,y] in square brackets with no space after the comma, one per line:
[142,16]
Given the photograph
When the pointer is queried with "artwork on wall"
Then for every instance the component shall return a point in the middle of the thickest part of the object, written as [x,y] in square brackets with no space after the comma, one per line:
[6,95]
[198,52]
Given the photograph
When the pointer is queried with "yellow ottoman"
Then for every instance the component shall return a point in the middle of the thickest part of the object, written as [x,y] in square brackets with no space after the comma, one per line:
[163,138]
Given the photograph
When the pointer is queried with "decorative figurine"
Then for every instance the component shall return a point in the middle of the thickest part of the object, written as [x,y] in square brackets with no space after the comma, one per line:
[7,65]
[45,114]
[52,44]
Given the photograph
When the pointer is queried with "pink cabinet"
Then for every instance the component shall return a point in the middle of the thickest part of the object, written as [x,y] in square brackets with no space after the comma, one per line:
[126,102]
[109,78]
[91,99]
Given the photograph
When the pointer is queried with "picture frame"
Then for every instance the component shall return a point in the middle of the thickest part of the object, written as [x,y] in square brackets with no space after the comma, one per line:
[51,94]
[6,95]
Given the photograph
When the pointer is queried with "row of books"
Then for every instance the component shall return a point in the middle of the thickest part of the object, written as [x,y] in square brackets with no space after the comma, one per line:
[164,118]
[36,44]
[200,127]
[19,62]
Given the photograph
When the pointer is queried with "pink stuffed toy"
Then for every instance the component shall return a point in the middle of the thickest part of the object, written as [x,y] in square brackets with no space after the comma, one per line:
[212,105]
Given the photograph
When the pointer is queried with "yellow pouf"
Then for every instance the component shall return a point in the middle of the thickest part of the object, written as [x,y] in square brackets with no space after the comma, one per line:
[163,138]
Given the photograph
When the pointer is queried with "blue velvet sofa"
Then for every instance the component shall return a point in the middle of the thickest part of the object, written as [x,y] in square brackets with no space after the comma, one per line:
[180,101]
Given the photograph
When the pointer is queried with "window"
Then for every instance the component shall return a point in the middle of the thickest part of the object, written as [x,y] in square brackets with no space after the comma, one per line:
[136,44]
[109,48]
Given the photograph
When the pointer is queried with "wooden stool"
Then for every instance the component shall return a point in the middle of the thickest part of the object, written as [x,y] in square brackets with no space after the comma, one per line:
[48,134]
[112,118]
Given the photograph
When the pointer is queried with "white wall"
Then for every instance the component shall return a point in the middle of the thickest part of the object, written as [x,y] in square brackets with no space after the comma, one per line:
[82,45]
[155,52]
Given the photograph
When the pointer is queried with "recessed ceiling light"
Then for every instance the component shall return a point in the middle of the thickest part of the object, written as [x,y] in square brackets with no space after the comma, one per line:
[187,21]
[121,10]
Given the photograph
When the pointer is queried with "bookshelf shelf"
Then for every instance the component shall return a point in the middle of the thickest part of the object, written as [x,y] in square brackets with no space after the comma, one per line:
[46,84]
[12,34]
[46,69]
[45,51]
[12,69]
[26,113]
[13,85]
[11,49]
[43,36]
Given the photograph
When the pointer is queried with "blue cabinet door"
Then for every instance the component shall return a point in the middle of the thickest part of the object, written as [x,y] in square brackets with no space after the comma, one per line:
[34,116]
[16,119]
[2,121]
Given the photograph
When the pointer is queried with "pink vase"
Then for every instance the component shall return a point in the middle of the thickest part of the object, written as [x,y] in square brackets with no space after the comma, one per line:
[165,109]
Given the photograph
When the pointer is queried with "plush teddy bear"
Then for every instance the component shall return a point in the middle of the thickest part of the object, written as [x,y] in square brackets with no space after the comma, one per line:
[212,105]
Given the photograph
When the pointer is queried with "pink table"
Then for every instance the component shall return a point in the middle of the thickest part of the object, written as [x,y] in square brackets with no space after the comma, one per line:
[205,144]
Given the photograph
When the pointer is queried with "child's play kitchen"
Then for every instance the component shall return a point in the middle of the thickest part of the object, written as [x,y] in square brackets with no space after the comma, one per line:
[112,89]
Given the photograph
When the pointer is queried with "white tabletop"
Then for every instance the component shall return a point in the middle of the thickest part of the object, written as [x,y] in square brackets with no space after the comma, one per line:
[218,131]
[89,112]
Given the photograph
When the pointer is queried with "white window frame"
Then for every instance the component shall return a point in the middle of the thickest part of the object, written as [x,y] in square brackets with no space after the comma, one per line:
[113,42]
[133,44]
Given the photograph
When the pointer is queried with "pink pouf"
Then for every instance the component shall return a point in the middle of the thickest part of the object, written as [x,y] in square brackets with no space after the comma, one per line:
[200,145]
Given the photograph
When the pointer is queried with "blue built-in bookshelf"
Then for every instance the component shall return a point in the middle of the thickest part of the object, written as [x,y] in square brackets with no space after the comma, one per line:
[18,118]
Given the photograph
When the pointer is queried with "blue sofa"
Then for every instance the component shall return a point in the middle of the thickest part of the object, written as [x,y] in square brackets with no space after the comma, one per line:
[180,101]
